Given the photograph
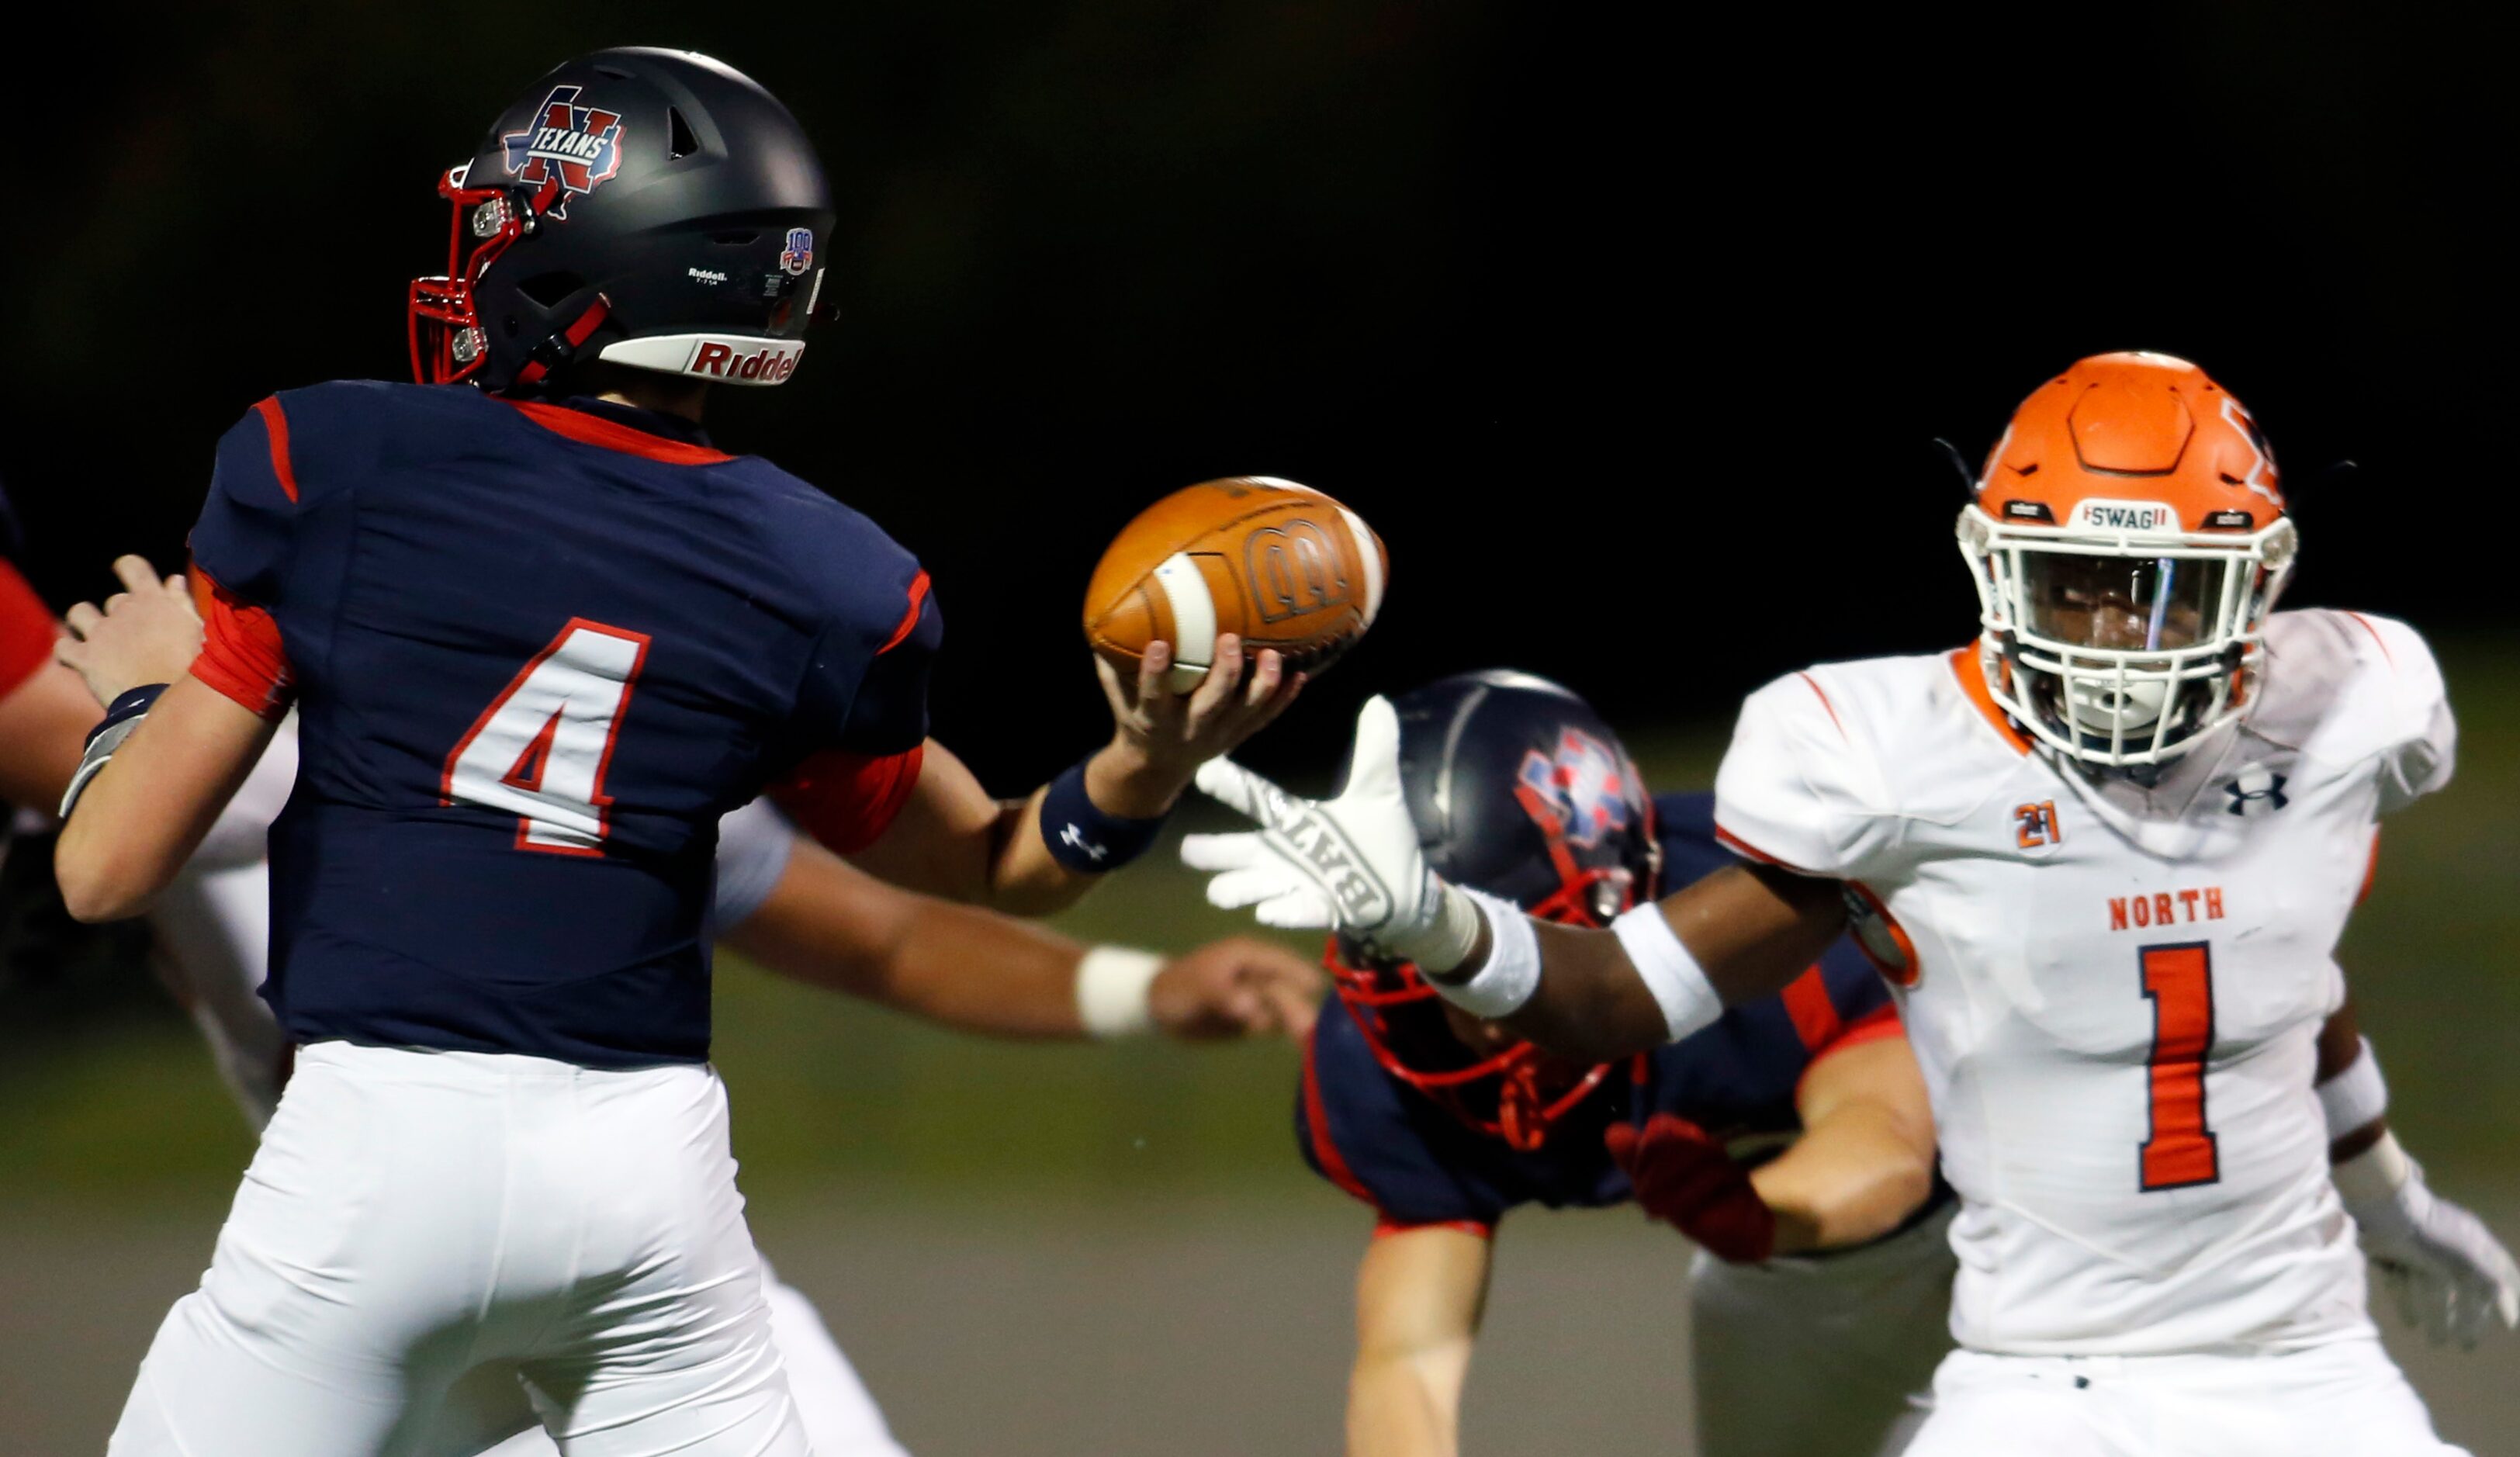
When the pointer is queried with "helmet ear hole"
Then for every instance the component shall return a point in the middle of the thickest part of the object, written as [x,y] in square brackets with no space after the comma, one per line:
[547,290]
[680,143]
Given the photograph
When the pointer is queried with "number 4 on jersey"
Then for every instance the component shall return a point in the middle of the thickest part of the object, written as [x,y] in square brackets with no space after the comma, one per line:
[541,748]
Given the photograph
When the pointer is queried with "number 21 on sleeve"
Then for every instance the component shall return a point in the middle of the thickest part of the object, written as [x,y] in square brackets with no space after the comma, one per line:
[541,748]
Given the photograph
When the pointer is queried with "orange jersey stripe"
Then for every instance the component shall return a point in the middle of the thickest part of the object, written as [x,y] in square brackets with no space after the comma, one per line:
[1964,666]
[1815,1016]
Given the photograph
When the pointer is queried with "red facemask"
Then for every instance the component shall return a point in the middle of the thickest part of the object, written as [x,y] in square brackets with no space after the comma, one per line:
[1531,1090]
[447,341]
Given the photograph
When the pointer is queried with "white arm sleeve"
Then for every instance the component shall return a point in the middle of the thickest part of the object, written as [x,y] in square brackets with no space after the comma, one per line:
[753,849]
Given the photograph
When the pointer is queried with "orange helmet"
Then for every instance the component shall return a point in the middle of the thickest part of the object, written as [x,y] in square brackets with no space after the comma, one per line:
[2129,537]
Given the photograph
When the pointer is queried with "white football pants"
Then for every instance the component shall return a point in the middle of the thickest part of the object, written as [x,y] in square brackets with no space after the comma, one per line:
[840,1416]
[212,927]
[412,1215]
[1832,1355]
[2344,1400]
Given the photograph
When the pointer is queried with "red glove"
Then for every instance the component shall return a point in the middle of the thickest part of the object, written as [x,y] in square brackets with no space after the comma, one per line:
[1683,1177]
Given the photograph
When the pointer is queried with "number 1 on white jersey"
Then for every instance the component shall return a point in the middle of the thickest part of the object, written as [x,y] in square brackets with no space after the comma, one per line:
[541,748]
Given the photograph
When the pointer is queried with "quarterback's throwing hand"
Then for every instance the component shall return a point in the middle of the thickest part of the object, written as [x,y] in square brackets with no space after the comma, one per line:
[1159,735]
[147,633]
[1349,864]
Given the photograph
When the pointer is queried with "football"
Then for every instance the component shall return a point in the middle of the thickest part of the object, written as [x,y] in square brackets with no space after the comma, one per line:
[1279,564]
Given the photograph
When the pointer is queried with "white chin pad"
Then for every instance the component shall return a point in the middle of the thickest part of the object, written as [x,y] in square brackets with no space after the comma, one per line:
[2101,706]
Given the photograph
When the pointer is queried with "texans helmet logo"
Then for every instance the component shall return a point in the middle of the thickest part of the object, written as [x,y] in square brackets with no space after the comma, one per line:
[577,147]
[1583,782]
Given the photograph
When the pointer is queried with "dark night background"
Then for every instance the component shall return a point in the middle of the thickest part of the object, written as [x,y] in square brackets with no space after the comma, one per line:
[1631,337]
[1631,342]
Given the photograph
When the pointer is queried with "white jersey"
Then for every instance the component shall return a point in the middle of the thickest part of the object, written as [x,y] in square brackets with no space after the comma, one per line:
[2115,992]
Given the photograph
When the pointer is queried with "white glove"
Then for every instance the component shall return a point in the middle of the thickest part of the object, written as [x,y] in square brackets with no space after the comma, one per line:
[1350,864]
[2450,1274]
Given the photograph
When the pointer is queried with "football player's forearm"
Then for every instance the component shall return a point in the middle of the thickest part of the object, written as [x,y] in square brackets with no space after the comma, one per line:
[1854,1177]
[2340,1047]
[832,926]
[1591,1005]
[1027,880]
[1749,928]
[951,838]
[1865,1159]
[1024,879]
[140,818]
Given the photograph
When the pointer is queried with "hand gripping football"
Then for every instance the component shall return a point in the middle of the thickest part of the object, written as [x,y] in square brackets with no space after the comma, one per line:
[1280,564]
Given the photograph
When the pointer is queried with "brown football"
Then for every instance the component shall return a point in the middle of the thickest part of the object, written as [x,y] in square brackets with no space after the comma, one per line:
[1280,564]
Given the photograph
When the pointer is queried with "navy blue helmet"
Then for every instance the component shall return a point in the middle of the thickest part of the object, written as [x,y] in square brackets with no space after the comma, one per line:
[1518,789]
[647,207]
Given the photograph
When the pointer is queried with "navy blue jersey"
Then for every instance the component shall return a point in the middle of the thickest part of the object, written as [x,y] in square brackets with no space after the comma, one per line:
[1417,1163]
[536,650]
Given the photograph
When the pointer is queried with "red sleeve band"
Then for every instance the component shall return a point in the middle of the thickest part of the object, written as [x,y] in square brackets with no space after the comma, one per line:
[242,655]
[1387,1226]
[910,618]
[275,423]
[27,630]
[1873,1026]
[1814,1014]
[847,801]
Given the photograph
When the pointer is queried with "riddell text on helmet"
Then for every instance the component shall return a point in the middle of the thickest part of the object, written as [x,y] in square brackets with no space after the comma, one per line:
[769,365]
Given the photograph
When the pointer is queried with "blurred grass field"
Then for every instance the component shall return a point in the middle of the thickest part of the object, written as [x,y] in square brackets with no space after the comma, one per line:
[826,1089]
[119,1130]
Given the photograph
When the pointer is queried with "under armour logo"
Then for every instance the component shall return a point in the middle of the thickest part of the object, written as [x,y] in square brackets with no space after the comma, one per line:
[2255,782]
[1075,837]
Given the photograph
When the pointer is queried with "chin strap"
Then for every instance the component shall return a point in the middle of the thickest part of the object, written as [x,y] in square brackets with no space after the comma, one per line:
[560,348]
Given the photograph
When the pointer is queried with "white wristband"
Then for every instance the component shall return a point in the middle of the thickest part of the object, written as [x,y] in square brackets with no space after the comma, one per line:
[2372,1178]
[1512,970]
[1679,984]
[2354,1097]
[1111,984]
[1450,934]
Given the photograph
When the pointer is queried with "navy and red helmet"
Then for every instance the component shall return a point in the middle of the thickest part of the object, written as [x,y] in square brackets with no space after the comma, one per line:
[648,207]
[1518,789]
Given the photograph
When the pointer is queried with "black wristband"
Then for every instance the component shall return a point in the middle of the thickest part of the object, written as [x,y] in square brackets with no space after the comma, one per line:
[128,704]
[1083,837]
[121,716]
